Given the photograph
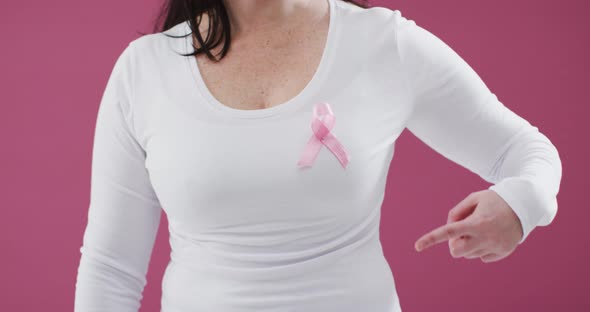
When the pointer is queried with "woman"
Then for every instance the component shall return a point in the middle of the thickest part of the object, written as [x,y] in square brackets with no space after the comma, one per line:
[271,163]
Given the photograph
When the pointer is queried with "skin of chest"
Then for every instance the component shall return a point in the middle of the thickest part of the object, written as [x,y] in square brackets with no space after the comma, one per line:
[266,67]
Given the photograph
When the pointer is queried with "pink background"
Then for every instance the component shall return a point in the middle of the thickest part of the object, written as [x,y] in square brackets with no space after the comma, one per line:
[57,55]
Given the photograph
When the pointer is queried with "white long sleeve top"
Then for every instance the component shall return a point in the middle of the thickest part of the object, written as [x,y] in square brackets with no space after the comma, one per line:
[249,229]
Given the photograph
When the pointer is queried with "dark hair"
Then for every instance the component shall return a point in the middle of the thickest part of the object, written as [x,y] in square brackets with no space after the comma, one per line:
[176,11]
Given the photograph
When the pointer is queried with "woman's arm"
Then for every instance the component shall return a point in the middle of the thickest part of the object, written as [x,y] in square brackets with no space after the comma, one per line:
[456,114]
[124,213]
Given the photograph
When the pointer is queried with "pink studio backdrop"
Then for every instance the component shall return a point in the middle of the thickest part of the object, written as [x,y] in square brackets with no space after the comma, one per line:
[57,55]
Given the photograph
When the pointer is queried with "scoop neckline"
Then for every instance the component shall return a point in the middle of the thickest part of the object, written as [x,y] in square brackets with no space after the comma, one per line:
[286,106]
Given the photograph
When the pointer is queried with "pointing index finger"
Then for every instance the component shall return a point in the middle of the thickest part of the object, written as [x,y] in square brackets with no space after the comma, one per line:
[443,233]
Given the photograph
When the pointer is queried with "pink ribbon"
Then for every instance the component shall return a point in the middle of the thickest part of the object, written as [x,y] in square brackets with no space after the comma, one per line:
[322,122]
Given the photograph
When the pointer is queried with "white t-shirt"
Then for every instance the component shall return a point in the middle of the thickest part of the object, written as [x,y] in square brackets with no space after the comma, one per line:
[250,230]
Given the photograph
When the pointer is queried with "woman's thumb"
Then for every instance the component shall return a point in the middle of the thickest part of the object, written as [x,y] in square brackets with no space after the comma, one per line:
[464,208]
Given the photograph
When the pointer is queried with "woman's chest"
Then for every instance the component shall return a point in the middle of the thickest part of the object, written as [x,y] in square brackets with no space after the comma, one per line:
[261,77]
[212,168]
[212,174]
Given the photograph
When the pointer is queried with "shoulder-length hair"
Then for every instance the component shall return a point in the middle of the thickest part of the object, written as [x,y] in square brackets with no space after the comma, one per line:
[173,12]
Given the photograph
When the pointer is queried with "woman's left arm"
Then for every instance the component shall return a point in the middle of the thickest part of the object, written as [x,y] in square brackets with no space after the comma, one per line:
[456,114]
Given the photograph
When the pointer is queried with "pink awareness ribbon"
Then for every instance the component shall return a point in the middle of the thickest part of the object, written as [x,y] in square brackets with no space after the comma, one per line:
[322,122]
